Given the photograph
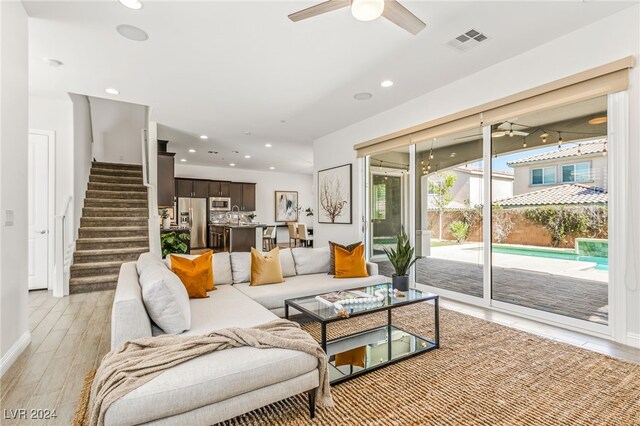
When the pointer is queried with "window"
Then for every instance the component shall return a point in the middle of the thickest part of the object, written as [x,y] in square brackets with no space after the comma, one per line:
[576,172]
[379,205]
[543,176]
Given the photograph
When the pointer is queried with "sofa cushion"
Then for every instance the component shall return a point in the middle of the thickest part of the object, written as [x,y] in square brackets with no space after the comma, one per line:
[145,260]
[241,267]
[287,263]
[311,261]
[208,379]
[221,266]
[165,299]
[129,318]
[196,274]
[227,307]
[332,254]
[350,264]
[273,297]
[266,268]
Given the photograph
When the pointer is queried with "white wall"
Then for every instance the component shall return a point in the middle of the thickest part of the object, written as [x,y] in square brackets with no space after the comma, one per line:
[266,185]
[14,98]
[612,38]
[81,155]
[116,130]
[56,115]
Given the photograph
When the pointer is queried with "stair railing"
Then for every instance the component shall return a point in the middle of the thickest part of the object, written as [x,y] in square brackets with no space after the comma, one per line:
[64,253]
[154,217]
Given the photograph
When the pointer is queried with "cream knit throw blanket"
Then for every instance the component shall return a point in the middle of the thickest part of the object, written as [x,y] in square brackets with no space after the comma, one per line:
[138,361]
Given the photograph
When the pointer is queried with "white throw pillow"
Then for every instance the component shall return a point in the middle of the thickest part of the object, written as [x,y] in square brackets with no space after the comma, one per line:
[221,266]
[166,299]
[241,267]
[287,263]
[147,259]
[311,260]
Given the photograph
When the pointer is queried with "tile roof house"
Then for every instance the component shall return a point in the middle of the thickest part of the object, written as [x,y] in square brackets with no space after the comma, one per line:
[569,194]
[584,163]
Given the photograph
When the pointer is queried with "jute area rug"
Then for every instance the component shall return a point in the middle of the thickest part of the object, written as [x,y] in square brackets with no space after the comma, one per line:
[483,374]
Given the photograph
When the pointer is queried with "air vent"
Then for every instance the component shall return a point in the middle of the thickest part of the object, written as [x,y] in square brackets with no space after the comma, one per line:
[467,41]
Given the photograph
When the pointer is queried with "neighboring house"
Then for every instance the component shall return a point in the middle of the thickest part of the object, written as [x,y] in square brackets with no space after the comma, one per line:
[584,164]
[468,187]
[568,194]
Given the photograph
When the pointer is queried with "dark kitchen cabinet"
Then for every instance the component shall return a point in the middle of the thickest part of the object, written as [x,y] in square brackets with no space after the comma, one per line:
[248,197]
[184,188]
[235,193]
[200,188]
[166,183]
[192,188]
[243,195]
[219,188]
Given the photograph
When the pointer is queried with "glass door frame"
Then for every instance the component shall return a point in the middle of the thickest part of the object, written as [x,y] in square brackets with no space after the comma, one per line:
[618,150]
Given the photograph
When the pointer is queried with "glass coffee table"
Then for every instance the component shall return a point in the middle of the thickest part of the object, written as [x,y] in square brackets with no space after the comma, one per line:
[367,350]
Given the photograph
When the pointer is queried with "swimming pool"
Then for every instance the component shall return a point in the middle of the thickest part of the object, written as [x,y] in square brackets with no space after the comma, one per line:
[602,263]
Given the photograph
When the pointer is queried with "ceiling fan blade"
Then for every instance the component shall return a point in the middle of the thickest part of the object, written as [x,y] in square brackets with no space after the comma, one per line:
[319,9]
[400,15]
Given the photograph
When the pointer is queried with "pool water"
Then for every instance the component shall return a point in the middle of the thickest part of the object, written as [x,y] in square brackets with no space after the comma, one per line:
[602,263]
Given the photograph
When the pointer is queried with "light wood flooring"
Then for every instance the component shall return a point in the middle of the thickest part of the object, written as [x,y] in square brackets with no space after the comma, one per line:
[69,337]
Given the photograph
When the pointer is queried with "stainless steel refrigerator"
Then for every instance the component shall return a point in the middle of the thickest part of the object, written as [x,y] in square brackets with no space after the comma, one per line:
[192,213]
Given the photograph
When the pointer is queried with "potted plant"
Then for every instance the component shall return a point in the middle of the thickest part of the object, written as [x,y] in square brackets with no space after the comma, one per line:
[402,259]
[309,211]
[251,216]
[174,242]
[166,221]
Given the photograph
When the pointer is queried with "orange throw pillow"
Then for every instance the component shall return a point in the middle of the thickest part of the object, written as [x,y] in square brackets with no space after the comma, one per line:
[196,274]
[350,264]
[266,269]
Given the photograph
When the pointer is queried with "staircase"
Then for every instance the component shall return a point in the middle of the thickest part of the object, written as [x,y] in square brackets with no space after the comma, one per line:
[113,227]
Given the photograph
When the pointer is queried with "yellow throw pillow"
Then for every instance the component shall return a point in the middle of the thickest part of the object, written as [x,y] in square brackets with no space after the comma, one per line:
[350,264]
[196,274]
[266,269]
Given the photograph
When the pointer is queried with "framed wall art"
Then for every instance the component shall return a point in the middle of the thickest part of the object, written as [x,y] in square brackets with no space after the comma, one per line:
[334,195]
[286,206]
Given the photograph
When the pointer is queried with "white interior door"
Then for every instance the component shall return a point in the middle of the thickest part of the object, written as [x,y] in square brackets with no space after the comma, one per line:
[38,193]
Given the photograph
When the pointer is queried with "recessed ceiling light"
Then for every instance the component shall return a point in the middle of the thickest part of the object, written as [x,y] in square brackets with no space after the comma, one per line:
[386,83]
[598,120]
[192,150]
[362,96]
[204,137]
[184,160]
[272,168]
[53,62]
[247,156]
[268,145]
[232,164]
[131,4]
[112,91]
[131,32]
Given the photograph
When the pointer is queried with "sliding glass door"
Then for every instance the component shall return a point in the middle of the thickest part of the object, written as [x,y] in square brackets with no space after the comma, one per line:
[543,180]
[550,241]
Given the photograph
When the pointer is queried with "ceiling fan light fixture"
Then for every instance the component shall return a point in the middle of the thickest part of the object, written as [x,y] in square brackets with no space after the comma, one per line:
[367,10]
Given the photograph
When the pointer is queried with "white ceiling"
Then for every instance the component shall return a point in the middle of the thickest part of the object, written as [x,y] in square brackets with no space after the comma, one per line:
[225,68]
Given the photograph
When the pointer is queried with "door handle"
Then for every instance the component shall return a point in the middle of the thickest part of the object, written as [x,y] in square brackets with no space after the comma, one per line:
[42,231]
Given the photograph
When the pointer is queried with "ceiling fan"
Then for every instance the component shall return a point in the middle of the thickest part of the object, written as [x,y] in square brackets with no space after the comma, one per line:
[367,10]
[505,129]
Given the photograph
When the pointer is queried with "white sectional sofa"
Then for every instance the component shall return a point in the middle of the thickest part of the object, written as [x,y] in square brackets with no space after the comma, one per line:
[225,384]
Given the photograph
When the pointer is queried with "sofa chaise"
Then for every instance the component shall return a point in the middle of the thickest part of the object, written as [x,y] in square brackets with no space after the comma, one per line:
[224,384]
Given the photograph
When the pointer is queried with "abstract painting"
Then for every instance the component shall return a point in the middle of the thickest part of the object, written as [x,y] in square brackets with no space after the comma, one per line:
[286,206]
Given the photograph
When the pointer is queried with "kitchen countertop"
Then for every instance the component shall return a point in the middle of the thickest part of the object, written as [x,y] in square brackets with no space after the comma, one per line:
[235,225]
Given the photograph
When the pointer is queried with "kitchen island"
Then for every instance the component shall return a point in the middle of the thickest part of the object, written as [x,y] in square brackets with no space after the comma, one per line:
[233,237]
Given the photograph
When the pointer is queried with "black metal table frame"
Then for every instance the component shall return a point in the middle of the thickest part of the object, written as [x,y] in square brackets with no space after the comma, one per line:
[435,343]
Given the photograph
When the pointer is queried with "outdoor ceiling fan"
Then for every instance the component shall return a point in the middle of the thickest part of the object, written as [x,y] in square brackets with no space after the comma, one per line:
[506,129]
[367,10]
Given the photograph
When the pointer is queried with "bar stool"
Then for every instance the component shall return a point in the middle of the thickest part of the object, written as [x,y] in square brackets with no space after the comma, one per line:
[269,238]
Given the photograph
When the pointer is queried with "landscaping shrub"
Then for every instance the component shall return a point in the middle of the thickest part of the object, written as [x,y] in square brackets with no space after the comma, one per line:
[459,230]
[569,221]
